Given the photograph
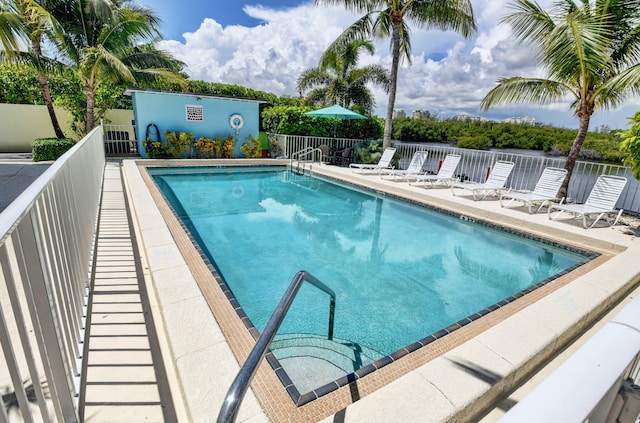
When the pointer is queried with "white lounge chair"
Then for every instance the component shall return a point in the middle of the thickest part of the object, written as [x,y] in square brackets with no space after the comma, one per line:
[445,175]
[601,201]
[414,168]
[493,185]
[383,164]
[545,191]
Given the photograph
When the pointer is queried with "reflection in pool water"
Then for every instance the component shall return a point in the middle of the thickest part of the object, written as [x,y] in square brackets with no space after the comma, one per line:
[400,272]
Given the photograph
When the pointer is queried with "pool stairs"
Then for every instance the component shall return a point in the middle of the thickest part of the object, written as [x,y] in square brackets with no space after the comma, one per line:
[312,361]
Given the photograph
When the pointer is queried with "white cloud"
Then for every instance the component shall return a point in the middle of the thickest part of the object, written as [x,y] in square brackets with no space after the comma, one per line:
[448,74]
[268,57]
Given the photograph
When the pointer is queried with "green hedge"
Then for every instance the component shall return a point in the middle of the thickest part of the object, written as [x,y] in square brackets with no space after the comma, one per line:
[50,148]
[293,120]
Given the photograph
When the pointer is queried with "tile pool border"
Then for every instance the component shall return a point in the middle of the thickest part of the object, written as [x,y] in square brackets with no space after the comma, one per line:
[300,400]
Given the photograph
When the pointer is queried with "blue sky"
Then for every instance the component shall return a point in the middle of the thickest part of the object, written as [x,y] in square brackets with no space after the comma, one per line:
[185,16]
[266,45]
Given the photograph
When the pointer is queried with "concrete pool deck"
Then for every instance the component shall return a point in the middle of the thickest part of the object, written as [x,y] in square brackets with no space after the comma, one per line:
[471,373]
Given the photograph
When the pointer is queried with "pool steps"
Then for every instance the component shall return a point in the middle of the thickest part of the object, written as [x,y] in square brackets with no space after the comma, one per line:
[298,353]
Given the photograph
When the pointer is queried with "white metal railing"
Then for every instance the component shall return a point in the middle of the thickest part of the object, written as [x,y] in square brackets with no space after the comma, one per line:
[597,384]
[288,144]
[46,243]
[307,154]
[475,164]
[119,139]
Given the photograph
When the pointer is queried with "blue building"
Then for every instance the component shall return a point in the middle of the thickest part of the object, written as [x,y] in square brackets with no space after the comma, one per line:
[156,112]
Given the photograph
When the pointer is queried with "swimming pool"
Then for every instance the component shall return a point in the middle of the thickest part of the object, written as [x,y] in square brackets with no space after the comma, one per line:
[401,272]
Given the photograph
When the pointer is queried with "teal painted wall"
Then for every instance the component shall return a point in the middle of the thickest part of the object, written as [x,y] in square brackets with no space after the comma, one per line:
[168,112]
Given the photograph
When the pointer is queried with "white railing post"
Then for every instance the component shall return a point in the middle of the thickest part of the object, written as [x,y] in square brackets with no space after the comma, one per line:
[474,164]
[47,236]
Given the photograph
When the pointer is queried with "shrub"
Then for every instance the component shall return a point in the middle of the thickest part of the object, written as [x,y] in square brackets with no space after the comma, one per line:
[630,146]
[294,120]
[274,147]
[226,146]
[251,148]
[207,148]
[178,143]
[368,152]
[50,148]
[155,150]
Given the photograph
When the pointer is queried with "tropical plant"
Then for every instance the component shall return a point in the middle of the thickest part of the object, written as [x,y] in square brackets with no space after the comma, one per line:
[226,145]
[251,148]
[590,51]
[178,143]
[337,80]
[390,19]
[111,41]
[207,148]
[108,95]
[630,146]
[29,21]
[155,149]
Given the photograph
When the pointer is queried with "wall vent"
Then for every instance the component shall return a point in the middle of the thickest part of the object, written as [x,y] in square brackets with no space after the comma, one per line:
[195,113]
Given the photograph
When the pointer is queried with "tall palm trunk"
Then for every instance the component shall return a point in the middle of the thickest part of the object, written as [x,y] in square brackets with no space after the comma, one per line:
[46,94]
[395,51]
[91,94]
[585,117]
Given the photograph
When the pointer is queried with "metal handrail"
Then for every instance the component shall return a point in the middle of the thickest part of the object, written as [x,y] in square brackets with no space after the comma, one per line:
[238,389]
[298,155]
[304,152]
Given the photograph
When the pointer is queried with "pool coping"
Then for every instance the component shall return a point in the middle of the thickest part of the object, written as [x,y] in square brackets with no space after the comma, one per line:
[434,393]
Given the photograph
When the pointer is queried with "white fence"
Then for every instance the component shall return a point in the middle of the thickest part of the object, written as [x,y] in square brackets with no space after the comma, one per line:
[475,165]
[120,140]
[46,243]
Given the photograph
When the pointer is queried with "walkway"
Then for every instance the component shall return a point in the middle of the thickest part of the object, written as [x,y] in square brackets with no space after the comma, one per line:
[125,378]
[17,172]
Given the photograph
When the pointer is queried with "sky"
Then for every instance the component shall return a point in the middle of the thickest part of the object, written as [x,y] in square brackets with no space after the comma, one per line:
[266,45]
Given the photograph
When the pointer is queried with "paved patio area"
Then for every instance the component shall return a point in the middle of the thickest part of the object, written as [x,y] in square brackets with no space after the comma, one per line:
[125,379]
[17,171]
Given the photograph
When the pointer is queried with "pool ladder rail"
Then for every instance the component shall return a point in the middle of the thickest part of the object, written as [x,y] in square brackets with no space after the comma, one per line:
[303,157]
[238,389]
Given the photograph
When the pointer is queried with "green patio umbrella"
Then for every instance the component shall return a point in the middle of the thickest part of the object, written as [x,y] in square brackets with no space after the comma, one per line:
[336,112]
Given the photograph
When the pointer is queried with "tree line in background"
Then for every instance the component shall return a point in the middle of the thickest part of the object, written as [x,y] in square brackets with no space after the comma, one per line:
[286,115]
[589,51]
[468,133]
[98,41]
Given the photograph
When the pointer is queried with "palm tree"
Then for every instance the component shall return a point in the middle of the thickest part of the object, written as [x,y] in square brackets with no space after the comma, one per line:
[337,80]
[104,42]
[27,21]
[390,18]
[630,145]
[590,52]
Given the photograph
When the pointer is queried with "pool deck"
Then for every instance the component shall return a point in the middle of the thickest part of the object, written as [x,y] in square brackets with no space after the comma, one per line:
[472,376]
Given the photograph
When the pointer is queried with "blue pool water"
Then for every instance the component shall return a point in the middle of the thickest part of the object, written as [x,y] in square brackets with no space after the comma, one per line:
[400,272]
